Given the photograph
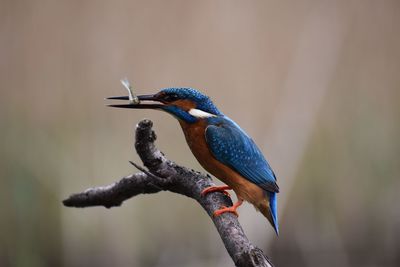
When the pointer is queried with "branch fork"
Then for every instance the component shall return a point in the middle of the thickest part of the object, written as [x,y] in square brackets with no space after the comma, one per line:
[165,175]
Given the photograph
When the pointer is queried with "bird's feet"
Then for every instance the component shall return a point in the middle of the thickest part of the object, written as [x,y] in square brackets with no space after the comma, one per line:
[216,189]
[232,209]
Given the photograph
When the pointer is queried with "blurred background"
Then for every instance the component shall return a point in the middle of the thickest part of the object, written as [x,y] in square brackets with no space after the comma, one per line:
[315,83]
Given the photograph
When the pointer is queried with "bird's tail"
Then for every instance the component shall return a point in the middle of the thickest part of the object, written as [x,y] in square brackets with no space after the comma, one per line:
[268,208]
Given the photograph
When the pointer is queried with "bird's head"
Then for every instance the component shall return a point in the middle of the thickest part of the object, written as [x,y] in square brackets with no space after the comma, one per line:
[186,104]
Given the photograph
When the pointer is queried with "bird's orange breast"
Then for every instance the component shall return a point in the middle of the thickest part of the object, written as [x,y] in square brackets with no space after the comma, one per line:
[195,137]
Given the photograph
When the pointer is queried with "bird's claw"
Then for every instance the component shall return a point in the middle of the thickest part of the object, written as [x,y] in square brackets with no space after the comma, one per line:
[211,189]
[224,209]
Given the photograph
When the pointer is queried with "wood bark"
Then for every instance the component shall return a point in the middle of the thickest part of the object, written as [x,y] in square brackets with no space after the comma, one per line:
[165,175]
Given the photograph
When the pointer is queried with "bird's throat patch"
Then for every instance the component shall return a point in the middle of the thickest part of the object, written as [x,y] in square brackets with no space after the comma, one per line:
[198,113]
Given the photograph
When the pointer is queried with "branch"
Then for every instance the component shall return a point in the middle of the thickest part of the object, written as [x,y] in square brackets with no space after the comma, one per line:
[164,174]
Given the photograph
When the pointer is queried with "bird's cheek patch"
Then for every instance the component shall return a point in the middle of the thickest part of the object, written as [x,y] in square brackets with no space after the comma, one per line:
[184,104]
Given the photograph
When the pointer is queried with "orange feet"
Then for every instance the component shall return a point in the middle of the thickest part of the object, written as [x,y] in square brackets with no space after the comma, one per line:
[216,189]
[229,209]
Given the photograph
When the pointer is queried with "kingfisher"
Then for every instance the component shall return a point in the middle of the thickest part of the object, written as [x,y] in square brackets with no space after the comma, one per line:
[220,146]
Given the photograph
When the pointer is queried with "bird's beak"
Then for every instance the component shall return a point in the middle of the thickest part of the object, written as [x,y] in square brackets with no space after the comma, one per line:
[138,105]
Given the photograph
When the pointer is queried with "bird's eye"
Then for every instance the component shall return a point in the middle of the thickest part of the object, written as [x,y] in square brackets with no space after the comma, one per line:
[171,97]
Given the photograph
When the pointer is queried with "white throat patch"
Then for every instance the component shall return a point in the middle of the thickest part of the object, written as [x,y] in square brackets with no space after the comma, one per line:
[200,114]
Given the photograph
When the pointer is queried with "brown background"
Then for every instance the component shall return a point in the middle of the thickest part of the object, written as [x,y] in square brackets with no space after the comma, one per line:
[316,83]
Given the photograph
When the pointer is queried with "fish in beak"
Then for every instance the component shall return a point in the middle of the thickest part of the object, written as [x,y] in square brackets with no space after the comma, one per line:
[139,105]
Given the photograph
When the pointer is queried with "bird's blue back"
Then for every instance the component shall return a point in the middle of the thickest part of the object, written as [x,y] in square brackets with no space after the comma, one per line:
[234,148]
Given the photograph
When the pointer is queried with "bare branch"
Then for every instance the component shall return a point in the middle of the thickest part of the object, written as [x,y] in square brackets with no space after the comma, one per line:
[163,174]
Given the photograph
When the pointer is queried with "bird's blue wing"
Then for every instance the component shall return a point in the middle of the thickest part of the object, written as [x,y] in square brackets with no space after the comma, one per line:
[233,147]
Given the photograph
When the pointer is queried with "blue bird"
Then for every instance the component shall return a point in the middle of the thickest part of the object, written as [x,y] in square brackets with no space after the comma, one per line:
[220,146]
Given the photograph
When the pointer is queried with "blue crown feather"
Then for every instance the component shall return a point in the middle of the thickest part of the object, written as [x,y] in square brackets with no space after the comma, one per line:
[202,101]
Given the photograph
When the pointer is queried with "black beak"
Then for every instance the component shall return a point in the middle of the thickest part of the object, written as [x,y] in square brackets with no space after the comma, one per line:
[139,105]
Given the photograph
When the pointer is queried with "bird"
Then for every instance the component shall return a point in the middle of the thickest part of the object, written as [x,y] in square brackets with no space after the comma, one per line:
[220,146]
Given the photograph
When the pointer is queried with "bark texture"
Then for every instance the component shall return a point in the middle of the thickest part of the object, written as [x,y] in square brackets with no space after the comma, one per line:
[163,174]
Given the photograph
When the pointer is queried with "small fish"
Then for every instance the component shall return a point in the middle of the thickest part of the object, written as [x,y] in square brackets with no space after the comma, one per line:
[133,99]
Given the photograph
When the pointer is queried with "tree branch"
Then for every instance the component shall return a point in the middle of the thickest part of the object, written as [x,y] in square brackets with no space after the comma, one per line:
[164,174]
